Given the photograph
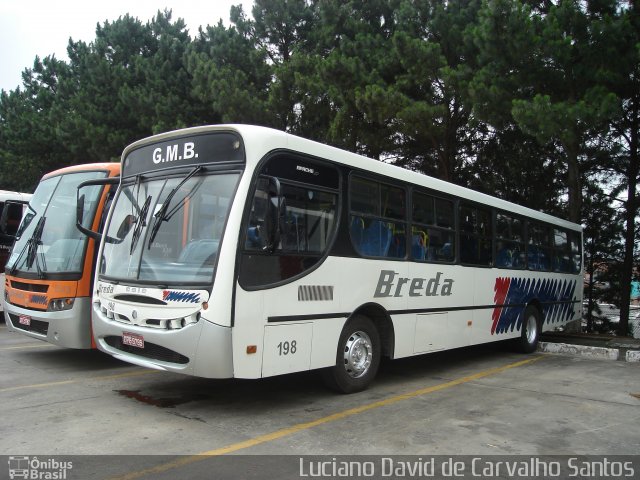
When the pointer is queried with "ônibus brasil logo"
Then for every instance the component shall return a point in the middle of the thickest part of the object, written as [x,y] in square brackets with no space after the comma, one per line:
[37,469]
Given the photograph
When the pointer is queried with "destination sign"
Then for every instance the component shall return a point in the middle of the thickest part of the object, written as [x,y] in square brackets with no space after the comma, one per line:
[199,149]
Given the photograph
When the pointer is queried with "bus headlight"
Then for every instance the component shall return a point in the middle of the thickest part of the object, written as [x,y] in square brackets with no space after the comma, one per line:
[59,304]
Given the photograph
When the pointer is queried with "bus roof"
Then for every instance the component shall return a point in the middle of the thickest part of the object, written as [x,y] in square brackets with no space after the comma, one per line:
[258,141]
[9,195]
[112,167]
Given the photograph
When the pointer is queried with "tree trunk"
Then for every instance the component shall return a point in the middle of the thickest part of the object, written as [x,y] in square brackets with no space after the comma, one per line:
[574,184]
[630,216]
[590,289]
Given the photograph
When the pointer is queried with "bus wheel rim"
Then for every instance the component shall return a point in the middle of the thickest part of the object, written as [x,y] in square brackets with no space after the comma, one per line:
[358,354]
[532,329]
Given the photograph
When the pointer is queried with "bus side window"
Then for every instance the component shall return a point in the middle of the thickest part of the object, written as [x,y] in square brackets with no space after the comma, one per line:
[539,247]
[378,215]
[576,252]
[509,241]
[13,216]
[566,254]
[306,224]
[432,230]
[475,236]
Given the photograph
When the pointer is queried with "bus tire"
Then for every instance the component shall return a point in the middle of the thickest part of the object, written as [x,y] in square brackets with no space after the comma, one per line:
[531,329]
[357,359]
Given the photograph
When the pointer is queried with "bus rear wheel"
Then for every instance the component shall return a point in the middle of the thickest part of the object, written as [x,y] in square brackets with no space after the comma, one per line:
[531,329]
[357,358]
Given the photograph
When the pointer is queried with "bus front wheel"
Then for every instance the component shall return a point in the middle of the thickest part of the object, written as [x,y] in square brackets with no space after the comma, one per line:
[358,357]
[531,329]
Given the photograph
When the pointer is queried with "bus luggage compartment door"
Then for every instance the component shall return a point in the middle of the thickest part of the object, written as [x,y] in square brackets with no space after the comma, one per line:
[432,333]
[287,348]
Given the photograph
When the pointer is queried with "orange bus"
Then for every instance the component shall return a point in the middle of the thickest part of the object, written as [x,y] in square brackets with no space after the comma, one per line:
[49,274]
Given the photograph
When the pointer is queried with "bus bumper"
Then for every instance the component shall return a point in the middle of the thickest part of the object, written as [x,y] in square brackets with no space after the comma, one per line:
[203,349]
[68,328]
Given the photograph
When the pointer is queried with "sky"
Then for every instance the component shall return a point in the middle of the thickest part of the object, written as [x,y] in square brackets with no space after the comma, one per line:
[43,27]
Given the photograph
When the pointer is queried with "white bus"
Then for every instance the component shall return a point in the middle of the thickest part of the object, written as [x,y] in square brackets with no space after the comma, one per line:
[12,207]
[241,251]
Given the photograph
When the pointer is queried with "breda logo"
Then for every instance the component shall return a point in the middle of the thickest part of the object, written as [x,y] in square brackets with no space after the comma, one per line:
[391,284]
[173,153]
[300,168]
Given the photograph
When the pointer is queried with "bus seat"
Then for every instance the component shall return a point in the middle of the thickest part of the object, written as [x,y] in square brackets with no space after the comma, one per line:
[398,246]
[504,258]
[517,259]
[446,252]
[543,261]
[357,232]
[199,252]
[254,239]
[377,239]
[537,258]
[418,247]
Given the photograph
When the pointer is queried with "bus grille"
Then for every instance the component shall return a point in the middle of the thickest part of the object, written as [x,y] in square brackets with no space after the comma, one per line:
[29,287]
[36,326]
[150,350]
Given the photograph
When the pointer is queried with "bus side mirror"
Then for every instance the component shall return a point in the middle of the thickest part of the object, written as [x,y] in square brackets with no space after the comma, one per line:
[80,205]
[10,218]
[125,227]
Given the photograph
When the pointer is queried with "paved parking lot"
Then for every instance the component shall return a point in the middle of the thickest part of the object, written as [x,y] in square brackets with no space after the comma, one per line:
[480,401]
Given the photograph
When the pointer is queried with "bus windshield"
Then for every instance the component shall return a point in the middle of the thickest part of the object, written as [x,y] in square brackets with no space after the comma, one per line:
[168,230]
[48,241]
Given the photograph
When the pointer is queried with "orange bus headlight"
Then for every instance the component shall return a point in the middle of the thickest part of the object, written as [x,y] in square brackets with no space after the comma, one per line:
[59,304]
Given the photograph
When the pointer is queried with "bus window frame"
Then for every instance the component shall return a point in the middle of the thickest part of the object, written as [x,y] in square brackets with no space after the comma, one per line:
[465,203]
[258,172]
[381,180]
[522,243]
[435,195]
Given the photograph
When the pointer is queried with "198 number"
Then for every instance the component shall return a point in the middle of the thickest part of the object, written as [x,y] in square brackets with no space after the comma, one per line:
[286,348]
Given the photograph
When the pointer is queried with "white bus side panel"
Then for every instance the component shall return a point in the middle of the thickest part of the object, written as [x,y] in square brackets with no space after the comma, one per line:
[332,291]
[437,324]
[287,348]
[432,307]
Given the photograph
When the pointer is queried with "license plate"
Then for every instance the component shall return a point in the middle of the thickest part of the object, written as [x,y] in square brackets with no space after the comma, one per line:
[24,320]
[132,340]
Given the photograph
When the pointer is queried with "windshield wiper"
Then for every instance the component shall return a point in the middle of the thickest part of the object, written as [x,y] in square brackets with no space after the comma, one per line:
[31,247]
[161,215]
[140,223]
[41,270]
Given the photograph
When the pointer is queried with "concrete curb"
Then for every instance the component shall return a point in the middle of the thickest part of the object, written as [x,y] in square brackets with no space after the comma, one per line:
[633,356]
[586,351]
[601,353]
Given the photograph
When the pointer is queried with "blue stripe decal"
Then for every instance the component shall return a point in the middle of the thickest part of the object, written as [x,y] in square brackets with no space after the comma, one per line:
[188,297]
[556,297]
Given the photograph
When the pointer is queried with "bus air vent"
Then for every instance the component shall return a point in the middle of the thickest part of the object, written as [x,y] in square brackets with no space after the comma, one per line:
[315,293]
[29,287]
